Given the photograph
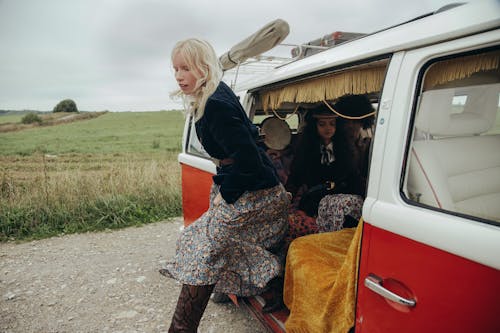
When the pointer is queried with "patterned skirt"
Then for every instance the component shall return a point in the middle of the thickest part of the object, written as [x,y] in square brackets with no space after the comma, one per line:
[332,212]
[334,208]
[234,246]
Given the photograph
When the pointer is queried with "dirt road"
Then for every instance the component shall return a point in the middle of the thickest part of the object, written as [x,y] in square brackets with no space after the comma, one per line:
[100,282]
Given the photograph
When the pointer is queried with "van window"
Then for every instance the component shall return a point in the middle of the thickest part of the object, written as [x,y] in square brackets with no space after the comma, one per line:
[496,126]
[194,145]
[453,160]
[458,103]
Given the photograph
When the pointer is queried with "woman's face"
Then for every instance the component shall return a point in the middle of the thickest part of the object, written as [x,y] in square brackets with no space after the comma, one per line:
[326,128]
[184,75]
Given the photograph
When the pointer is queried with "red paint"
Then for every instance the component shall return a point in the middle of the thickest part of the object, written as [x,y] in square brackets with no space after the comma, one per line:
[234,299]
[453,294]
[272,321]
[196,186]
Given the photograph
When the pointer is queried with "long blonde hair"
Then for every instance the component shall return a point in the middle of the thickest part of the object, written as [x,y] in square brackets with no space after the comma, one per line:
[201,59]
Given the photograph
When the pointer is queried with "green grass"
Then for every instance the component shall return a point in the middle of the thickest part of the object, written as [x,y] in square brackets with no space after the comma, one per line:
[11,118]
[116,170]
[36,222]
[109,133]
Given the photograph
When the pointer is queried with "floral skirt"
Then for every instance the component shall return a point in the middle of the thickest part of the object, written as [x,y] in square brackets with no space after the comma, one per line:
[234,246]
[332,211]
[334,208]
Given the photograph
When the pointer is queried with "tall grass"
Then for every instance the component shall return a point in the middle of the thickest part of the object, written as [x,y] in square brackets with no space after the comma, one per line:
[74,188]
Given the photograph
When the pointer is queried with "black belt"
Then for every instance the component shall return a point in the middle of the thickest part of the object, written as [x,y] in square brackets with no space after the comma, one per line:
[223,162]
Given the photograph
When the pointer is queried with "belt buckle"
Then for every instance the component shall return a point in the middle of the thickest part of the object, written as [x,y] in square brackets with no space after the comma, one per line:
[330,185]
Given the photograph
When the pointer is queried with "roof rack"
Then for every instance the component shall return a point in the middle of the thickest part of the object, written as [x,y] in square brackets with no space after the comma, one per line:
[254,66]
[262,64]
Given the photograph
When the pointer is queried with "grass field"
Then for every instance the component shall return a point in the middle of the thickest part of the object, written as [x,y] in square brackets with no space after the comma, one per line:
[11,118]
[125,132]
[114,170]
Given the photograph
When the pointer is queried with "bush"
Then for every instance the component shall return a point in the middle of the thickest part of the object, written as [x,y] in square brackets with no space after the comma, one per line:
[31,118]
[67,105]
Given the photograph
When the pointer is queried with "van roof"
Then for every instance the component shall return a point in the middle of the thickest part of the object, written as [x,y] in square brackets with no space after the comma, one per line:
[444,25]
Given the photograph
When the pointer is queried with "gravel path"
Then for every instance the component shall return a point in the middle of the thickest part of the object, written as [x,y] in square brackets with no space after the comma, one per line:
[100,282]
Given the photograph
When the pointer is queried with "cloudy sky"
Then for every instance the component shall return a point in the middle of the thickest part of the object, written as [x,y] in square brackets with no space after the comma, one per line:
[115,54]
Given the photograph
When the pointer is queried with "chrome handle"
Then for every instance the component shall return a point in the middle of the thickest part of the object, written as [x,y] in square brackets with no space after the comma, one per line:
[374,283]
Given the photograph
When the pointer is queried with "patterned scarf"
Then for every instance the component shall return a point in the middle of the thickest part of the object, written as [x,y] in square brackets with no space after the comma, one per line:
[327,156]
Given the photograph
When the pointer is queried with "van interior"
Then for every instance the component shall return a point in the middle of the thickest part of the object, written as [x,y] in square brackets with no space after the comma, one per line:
[280,110]
[452,163]
[280,113]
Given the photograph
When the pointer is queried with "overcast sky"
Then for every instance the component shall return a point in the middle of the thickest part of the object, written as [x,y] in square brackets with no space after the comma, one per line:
[115,54]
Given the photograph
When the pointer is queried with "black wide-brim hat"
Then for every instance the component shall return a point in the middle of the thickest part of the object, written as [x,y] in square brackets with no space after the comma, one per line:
[353,105]
[322,112]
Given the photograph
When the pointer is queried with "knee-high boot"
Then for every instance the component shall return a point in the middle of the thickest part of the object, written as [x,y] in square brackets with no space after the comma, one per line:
[190,307]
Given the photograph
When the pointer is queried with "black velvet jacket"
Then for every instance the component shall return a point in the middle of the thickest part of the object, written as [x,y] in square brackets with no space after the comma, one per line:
[307,169]
[226,132]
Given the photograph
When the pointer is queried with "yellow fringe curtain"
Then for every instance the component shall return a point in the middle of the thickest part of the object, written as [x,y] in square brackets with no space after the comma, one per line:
[368,80]
[460,68]
[329,87]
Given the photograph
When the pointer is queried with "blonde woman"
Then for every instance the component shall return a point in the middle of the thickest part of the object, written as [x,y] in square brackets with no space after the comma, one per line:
[232,247]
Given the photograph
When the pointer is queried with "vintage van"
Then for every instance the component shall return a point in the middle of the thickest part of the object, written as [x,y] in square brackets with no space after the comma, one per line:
[428,253]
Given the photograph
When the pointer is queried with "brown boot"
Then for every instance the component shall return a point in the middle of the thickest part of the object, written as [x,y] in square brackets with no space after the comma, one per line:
[190,307]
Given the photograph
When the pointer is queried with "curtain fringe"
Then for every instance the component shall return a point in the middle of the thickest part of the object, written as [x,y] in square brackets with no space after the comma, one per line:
[370,80]
[361,81]
[461,68]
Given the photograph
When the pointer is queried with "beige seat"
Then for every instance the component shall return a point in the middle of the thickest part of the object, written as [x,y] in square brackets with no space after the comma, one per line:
[454,165]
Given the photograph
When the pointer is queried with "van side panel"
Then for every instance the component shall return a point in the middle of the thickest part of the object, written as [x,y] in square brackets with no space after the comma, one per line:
[197,183]
[453,294]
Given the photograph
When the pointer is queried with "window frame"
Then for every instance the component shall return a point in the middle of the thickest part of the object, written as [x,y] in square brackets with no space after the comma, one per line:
[419,89]
[191,136]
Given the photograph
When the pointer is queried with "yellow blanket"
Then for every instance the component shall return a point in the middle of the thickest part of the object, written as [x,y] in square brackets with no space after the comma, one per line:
[320,281]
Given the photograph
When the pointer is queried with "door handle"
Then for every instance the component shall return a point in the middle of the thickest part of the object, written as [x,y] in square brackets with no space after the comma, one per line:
[374,283]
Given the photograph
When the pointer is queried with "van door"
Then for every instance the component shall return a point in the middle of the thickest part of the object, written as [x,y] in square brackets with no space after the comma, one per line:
[197,170]
[431,240]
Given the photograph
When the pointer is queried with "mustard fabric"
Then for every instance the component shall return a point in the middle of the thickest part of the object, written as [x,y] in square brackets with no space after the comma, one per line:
[320,281]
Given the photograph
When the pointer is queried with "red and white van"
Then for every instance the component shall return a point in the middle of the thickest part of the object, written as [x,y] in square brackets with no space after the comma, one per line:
[432,211]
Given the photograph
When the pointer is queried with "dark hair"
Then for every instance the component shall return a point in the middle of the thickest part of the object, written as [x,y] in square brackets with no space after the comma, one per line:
[310,136]
[308,148]
[355,106]
[308,151]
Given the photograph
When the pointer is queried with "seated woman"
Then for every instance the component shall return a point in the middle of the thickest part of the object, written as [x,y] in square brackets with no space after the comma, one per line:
[329,171]
[330,167]
[321,269]
[355,127]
